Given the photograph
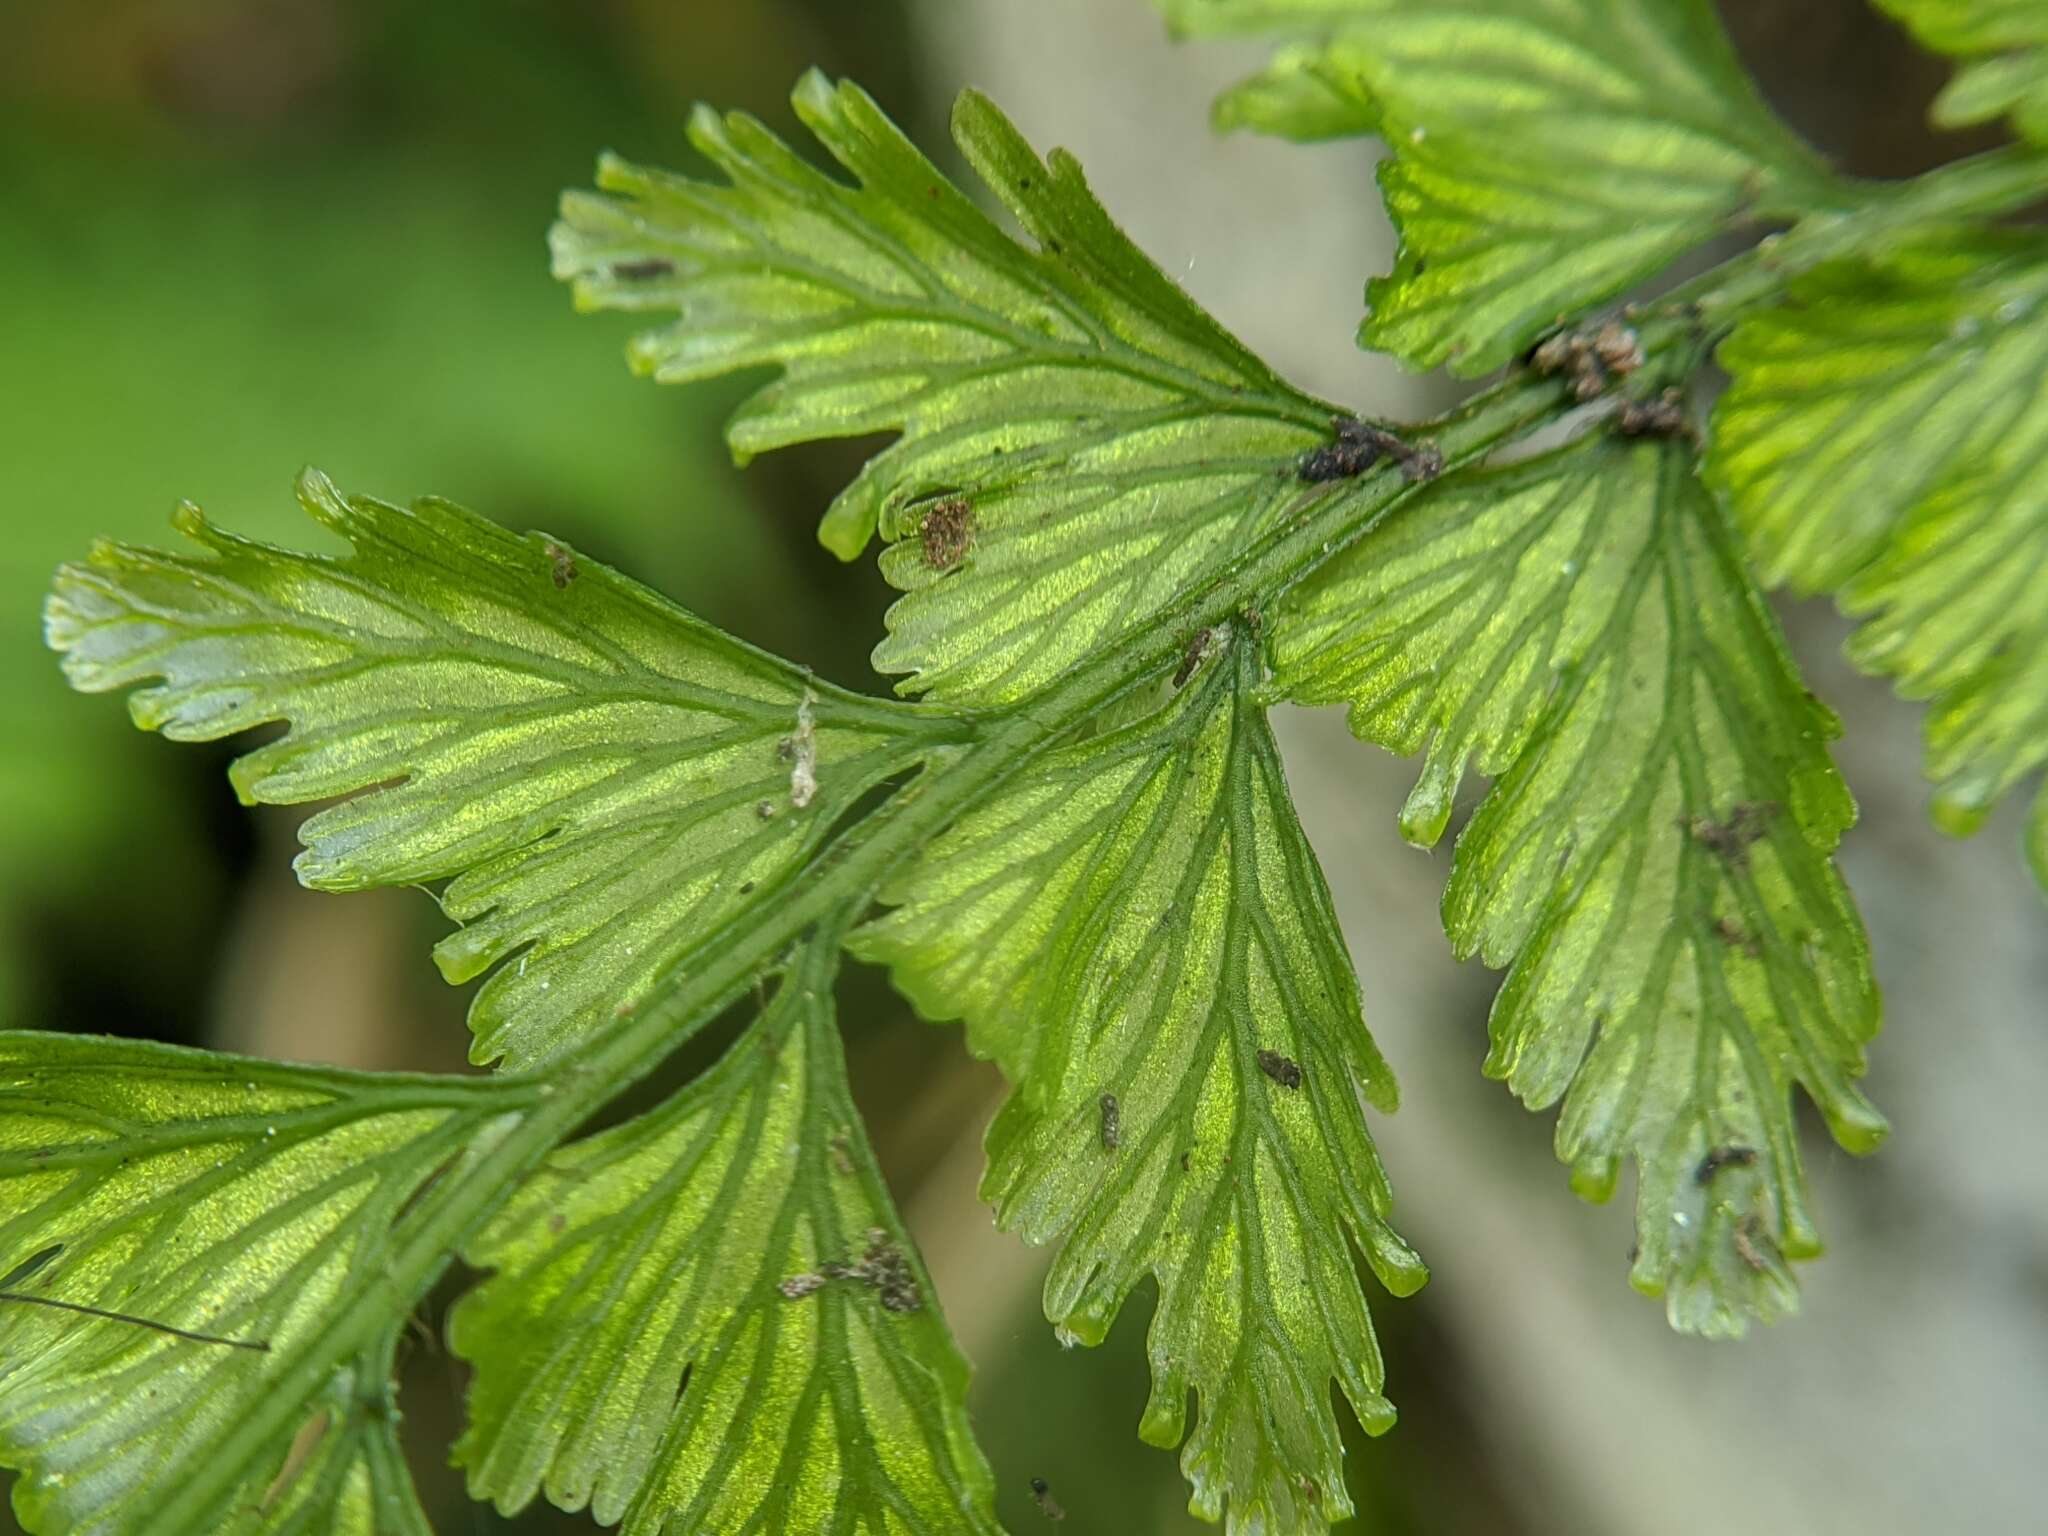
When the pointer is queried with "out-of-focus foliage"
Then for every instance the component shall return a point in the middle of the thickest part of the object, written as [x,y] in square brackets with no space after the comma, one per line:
[244,236]
[2004,48]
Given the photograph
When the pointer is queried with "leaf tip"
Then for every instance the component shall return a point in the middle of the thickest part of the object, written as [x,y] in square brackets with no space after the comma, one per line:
[318,494]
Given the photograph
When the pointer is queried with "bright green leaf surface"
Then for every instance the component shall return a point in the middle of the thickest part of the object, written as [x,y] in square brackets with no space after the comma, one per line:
[1545,154]
[1144,919]
[1887,434]
[1079,441]
[2005,46]
[599,776]
[232,1198]
[710,1319]
[1653,862]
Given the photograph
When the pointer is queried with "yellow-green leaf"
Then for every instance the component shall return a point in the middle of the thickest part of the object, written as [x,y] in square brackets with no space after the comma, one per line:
[600,777]
[710,1319]
[1543,155]
[1886,436]
[1139,935]
[242,1204]
[1079,441]
[1652,864]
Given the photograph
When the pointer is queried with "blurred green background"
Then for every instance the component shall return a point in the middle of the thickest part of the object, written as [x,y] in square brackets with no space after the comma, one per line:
[237,236]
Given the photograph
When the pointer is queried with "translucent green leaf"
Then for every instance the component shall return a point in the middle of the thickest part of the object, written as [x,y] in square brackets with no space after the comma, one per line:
[2005,44]
[354,1480]
[233,1199]
[1886,435]
[1140,936]
[1079,440]
[1307,93]
[711,1320]
[1544,154]
[1652,864]
[599,776]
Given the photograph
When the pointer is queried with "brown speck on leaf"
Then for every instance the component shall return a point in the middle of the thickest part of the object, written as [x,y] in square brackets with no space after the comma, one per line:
[1729,839]
[1589,360]
[1284,1070]
[1719,1158]
[561,564]
[1359,445]
[1618,348]
[1751,1241]
[765,810]
[1735,936]
[882,1267]
[1555,353]
[1184,1160]
[1424,460]
[1048,1506]
[842,1153]
[1112,1123]
[947,532]
[889,1272]
[1196,653]
[796,1287]
[1662,415]
[557,1222]
[640,271]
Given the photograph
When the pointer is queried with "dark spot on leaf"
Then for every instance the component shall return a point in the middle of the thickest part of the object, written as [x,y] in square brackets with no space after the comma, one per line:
[561,564]
[1662,415]
[1722,1157]
[796,1287]
[882,1267]
[947,532]
[1735,936]
[1589,360]
[1729,839]
[1197,652]
[1359,445]
[638,271]
[1112,1123]
[1751,1240]
[1284,1070]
